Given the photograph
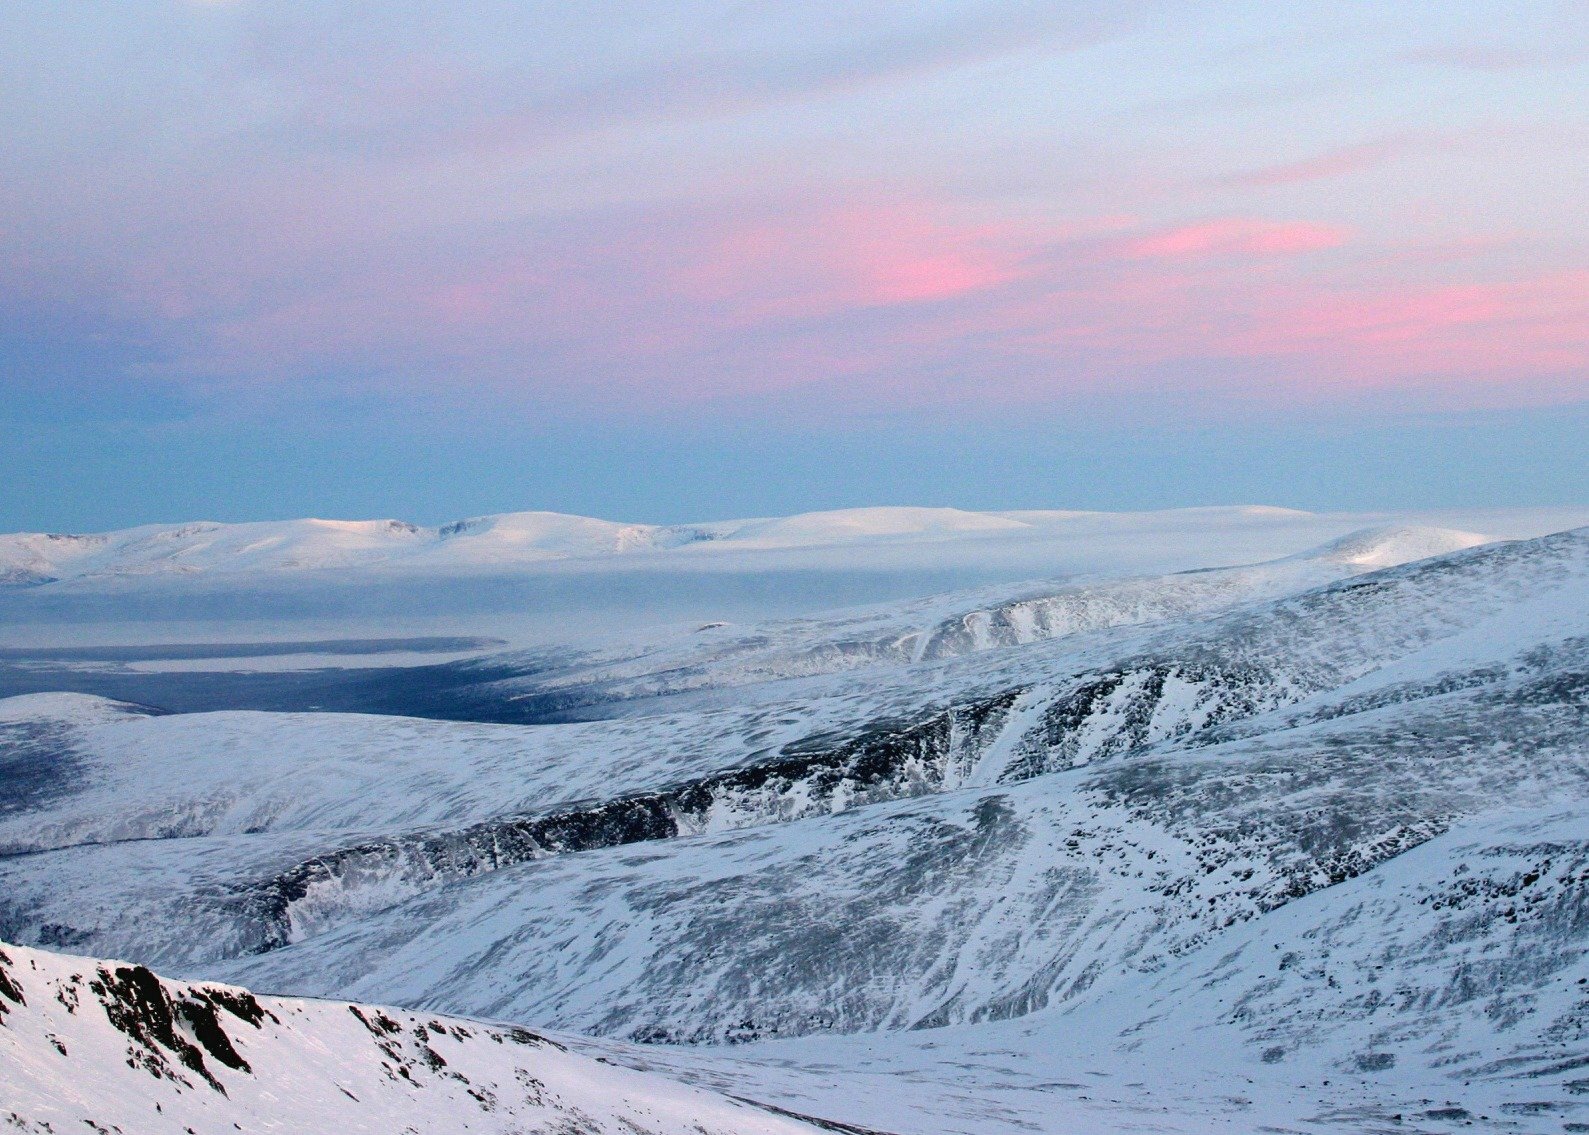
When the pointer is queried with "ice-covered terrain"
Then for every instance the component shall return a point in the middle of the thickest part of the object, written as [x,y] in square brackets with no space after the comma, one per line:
[1293,843]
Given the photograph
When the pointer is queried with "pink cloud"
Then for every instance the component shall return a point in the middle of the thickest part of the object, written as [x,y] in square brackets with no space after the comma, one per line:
[865,304]
[1210,330]
[617,300]
[1347,159]
[1235,236]
[1508,328]
[805,263]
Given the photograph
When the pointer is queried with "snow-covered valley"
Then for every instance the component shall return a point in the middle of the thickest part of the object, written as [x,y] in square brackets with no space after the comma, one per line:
[1180,840]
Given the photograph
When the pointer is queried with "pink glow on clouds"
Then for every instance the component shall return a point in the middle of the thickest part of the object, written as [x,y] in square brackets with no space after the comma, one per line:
[1321,339]
[599,212]
[1347,159]
[811,263]
[875,303]
[1538,323]
[1236,236]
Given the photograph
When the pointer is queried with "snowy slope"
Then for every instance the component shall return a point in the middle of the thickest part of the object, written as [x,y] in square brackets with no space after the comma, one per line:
[113,1047]
[1445,990]
[960,907]
[547,582]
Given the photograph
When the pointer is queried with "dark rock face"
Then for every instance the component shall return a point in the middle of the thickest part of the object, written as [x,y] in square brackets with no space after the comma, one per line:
[138,1005]
[10,990]
[1145,703]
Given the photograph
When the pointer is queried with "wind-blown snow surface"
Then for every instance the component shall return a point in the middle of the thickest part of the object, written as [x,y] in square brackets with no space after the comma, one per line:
[113,1047]
[1261,846]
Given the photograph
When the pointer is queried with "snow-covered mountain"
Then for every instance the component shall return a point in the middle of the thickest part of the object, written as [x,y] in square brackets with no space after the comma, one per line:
[695,667]
[636,668]
[193,839]
[322,544]
[1289,844]
[537,580]
[526,538]
[114,1047]
[505,539]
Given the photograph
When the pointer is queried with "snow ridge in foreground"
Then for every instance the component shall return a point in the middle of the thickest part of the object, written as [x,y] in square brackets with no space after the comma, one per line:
[114,1047]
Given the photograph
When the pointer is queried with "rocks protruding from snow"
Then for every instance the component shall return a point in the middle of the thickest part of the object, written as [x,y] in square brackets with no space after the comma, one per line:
[114,1047]
[883,764]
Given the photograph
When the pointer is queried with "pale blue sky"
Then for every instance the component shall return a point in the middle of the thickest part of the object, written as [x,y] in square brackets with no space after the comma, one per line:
[664,261]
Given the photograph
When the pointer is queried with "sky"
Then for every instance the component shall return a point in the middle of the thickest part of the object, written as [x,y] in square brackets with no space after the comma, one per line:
[684,261]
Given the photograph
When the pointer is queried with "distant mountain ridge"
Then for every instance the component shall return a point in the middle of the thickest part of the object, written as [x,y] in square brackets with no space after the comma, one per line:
[505,540]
